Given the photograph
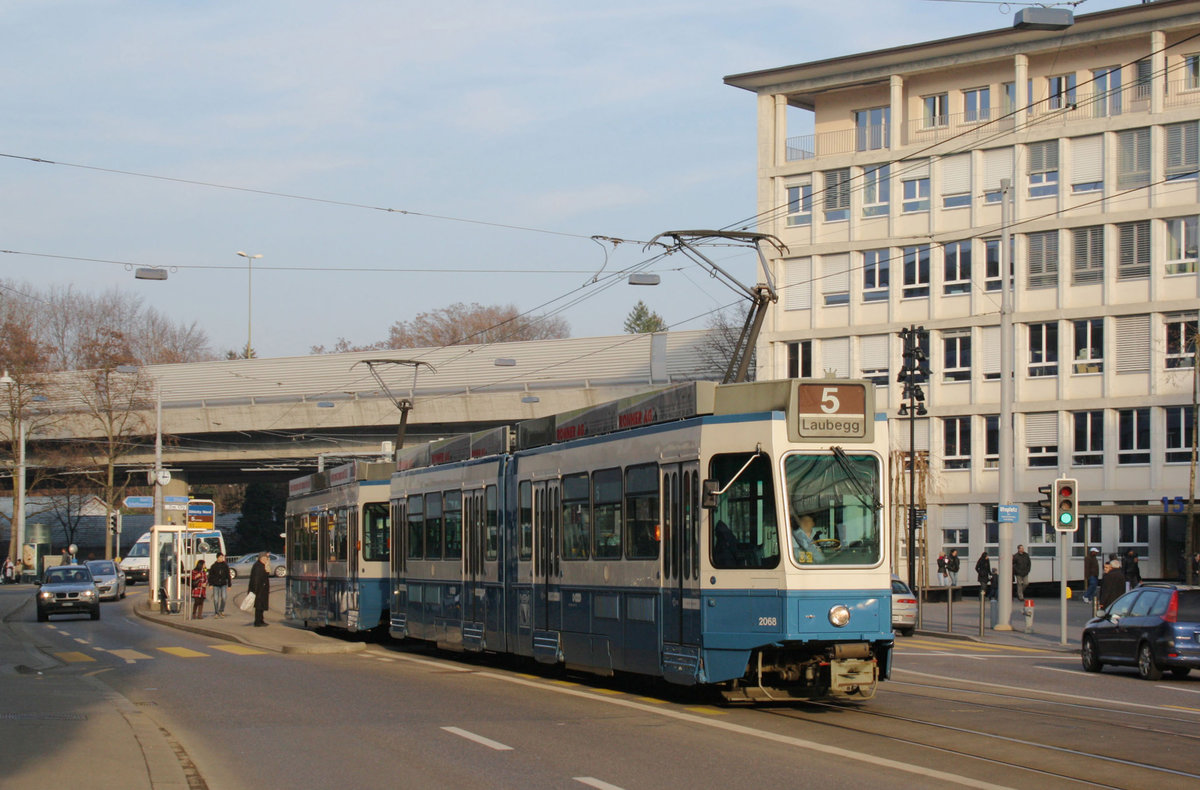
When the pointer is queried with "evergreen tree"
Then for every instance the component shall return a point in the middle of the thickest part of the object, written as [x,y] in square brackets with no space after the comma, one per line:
[642,320]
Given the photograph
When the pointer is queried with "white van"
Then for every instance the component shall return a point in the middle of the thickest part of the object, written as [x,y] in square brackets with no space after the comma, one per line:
[209,543]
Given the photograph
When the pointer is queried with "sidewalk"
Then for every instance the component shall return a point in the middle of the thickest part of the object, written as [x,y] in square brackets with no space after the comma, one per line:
[1047,629]
[238,626]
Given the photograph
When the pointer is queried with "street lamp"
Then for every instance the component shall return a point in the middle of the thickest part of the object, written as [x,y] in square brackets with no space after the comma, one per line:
[249,291]
[914,371]
[18,517]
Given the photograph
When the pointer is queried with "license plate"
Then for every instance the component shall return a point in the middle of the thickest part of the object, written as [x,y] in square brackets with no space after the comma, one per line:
[68,603]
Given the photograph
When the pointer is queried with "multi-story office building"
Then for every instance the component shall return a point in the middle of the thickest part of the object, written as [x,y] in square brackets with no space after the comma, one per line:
[891,210]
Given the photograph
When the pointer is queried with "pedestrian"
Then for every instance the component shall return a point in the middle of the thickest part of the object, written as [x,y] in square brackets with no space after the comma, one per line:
[942,578]
[983,572]
[7,571]
[1021,567]
[260,585]
[218,580]
[1091,572]
[952,566]
[1129,567]
[1112,586]
[199,590]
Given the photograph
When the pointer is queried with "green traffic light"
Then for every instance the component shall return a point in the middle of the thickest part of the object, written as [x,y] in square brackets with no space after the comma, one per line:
[1064,518]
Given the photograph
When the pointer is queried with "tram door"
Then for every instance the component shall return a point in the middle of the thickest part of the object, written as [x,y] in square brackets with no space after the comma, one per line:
[324,532]
[474,541]
[547,609]
[680,496]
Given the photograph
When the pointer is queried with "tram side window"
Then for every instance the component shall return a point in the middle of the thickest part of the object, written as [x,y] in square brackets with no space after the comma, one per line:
[376,522]
[453,524]
[576,516]
[308,538]
[416,527]
[641,512]
[525,521]
[606,512]
[339,535]
[492,526]
[433,526]
[745,531]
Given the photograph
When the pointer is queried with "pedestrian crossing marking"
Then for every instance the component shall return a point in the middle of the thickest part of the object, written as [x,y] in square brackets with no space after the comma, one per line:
[130,655]
[73,657]
[239,650]
[183,652]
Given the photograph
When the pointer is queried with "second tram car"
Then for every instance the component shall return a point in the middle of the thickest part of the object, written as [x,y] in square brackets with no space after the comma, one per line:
[706,534]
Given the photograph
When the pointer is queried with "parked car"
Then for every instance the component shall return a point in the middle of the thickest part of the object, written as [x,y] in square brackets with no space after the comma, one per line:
[904,608]
[109,578]
[67,589]
[1154,627]
[241,566]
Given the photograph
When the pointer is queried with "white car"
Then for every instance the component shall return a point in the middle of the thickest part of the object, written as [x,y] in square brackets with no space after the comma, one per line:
[240,566]
[904,608]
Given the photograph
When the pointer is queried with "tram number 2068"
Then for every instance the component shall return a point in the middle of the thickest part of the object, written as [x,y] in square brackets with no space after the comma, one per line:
[768,622]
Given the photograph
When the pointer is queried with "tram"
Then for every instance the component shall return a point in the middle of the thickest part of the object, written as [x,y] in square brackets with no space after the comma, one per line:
[338,532]
[728,535]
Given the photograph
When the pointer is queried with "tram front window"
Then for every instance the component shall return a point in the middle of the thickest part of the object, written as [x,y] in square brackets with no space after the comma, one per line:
[833,508]
[745,531]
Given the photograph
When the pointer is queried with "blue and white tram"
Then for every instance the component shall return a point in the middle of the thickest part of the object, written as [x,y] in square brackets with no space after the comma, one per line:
[338,548]
[705,534]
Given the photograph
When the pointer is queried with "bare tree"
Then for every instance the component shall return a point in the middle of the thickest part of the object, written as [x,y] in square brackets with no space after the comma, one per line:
[725,328]
[461,324]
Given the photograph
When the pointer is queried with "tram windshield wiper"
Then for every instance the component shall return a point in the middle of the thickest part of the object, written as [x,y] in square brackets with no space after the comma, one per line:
[865,492]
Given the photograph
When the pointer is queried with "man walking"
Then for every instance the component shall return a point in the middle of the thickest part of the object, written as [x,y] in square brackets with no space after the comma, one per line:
[260,585]
[1021,567]
[218,582]
[1091,572]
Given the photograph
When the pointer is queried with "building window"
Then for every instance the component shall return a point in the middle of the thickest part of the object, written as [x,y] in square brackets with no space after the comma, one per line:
[799,205]
[935,111]
[1061,91]
[1042,259]
[991,263]
[957,434]
[871,128]
[1133,158]
[835,284]
[837,194]
[1089,438]
[1133,532]
[977,105]
[799,359]
[916,271]
[916,194]
[1107,85]
[957,267]
[1181,245]
[991,441]
[1043,349]
[1043,169]
[1089,345]
[1041,455]
[1181,340]
[875,275]
[1133,429]
[1183,142]
[1180,427]
[955,537]
[1133,260]
[1143,78]
[1088,256]
[876,189]
[874,356]
[956,357]
[1191,72]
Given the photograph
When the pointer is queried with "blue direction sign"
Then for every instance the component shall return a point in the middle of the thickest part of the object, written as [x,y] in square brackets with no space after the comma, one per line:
[1009,514]
[136,502]
[176,500]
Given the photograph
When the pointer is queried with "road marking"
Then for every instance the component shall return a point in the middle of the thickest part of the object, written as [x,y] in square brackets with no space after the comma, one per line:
[470,736]
[596,783]
[131,656]
[239,650]
[706,710]
[183,652]
[82,641]
[1076,672]
[73,657]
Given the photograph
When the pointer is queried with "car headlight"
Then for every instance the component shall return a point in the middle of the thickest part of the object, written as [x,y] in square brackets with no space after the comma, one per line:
[839,616]
[45,595]
[92,594]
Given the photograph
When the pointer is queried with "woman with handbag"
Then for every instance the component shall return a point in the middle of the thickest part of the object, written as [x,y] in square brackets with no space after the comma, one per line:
[199,590]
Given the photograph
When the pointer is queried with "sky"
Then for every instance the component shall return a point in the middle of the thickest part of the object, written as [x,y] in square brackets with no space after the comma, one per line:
[388,158]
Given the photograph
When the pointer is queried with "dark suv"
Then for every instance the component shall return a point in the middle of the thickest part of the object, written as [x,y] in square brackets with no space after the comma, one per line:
[1153,627]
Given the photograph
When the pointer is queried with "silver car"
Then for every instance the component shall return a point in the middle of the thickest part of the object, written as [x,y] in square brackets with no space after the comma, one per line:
[904,608]
[67,589]
[109,578]
[276,563]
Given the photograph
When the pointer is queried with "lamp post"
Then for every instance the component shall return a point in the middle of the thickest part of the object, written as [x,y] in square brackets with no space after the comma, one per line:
[249,294]
[18,515]
[912,405]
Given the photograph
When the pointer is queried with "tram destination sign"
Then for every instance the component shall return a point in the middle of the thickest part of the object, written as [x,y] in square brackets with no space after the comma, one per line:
[832,409]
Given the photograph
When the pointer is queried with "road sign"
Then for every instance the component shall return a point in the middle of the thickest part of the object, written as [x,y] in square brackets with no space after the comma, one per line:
[1009,514]
[176,500]
[139,502]
[201,514]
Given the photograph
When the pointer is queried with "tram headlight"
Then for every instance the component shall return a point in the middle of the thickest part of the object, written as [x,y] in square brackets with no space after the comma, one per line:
[839,616]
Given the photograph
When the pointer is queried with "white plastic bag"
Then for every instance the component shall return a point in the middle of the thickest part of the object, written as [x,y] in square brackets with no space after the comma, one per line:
[247,603]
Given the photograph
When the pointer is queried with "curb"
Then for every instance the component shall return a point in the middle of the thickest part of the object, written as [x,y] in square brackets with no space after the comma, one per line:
[325,646]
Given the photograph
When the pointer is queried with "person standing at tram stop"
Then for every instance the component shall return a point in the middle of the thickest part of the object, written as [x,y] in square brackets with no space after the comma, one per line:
[1129,567]
[983,572]
[218,580]
[199,590]
[260,585]
[1112,586]
[953,563]
[942,578]
[1091,572]
[1021,567]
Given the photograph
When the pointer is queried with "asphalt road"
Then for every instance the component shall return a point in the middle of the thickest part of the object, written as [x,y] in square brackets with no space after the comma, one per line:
[233,716]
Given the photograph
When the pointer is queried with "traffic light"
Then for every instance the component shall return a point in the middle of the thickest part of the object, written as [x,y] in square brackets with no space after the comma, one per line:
[1046,504]
[112,522]
[1066,505]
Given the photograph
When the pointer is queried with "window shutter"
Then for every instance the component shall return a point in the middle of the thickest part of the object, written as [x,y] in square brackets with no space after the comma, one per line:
[836,277]
[915,169]
[797,294]
[1043,157]
[874,352]
[1133,158]
[1042,259]
[1133,343]
[955,516]
[990,351]
[1134,249]
[1041,429]
[1089,254]
[835,356]
[1183,140]
[1087,159]
[837,189]
[920,434]
[956,174]
[997,164]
